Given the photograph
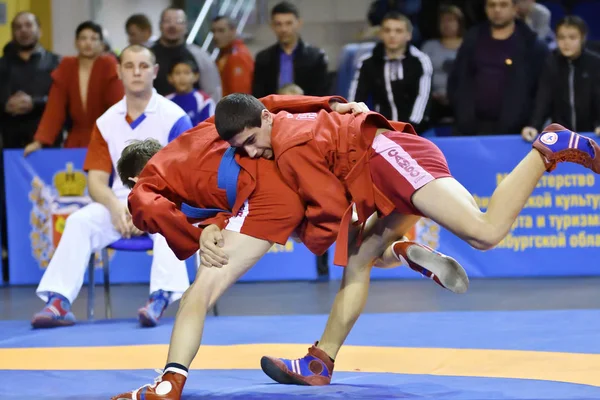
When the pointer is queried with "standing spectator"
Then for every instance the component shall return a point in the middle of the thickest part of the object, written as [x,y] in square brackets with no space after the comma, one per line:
[235,62]
[25,80]
[171,46]
[83,88]
[290,60]
[141,114]
[396,76]
[537,17]
[442,53]
[569,87]
[183,75]
[410,8]
[139,30]
[494,77]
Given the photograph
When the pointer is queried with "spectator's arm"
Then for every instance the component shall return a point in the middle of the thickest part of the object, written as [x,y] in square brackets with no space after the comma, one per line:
[99,166]
[237,76]
[54,115]
[4,89]
[542,23]
[360,87]
[459,64]
[420,104]
[320,77]
[544,94]
[260,77]
[596,99]
[181,125]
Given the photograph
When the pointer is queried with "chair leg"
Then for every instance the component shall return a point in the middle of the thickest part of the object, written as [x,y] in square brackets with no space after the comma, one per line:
[106,270]
[90,310]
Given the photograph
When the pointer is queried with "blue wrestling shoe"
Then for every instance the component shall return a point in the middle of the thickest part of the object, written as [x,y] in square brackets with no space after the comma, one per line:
[157,304]
[314,369]
[558,144]
[56,313]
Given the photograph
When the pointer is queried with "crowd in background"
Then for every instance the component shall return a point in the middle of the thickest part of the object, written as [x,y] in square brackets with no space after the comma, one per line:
[475,67]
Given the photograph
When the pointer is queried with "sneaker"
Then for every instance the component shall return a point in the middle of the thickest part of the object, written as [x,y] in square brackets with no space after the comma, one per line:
[168,386]
[443,270]
[56,313]
[314,369]
[157,304]
[558,144]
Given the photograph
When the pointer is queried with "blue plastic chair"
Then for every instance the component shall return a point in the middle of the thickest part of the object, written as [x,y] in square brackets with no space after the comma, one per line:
[136,243]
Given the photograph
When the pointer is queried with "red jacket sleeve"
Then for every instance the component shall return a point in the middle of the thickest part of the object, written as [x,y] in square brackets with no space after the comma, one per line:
[305,170]
[55,112]
[153,204]
[299,104]
[238,73]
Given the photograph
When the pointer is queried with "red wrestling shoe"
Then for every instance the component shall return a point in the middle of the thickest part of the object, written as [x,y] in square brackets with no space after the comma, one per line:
[168,386]
[443,270]
[314,369]
[558,144]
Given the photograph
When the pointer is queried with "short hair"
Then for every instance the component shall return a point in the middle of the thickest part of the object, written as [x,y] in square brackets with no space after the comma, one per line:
[575,22]
[285,7]
[134,158]
[21,13]
[236,112]
[136,48]
[291,88]
[92,26]
[139,20]
[230,22]
[396,16]
[456,12]
[162,14]
[184,60]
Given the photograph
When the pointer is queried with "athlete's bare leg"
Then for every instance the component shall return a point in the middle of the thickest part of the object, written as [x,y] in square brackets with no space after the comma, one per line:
[459,213]
[210,283]
[352,296]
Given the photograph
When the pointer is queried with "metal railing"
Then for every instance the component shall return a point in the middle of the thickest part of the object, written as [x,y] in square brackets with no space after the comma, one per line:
[238,10]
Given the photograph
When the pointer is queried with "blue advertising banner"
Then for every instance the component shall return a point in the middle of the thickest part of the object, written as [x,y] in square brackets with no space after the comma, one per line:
[556,234]
[44,188]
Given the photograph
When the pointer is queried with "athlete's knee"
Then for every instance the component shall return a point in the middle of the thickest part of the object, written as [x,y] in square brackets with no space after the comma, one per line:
[482,234]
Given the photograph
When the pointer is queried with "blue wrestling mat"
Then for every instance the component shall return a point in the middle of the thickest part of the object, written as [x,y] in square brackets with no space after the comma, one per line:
[450,355]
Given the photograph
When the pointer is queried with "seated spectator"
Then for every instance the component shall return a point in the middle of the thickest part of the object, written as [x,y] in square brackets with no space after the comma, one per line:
[569,87]
[235,62]
[396,76]
[537,17]
[291,89]
[442,53]
[493,81]
[83,88]
[290,60]
[171,46]
[183,75]
[141,114]
[139,30]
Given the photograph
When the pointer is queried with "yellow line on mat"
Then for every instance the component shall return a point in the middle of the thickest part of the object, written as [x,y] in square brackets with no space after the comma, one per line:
[548,366]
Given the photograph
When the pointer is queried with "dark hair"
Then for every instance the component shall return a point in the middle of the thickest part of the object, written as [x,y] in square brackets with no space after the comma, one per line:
[162,14]
[134,158]
[574,21]
[139,20]
[230,22]
[456,12]
[187,61]
[92,26]
[236,112]
[137,48]
[396,16]
[21,13]
[285,7]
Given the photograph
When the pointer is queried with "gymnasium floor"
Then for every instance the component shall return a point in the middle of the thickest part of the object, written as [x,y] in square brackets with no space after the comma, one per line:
[504,339]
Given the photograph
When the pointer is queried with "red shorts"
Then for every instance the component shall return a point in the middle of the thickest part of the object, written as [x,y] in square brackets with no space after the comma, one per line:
[404,163]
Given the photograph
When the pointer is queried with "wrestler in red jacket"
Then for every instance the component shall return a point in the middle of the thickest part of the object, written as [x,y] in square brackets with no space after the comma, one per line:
[385,168]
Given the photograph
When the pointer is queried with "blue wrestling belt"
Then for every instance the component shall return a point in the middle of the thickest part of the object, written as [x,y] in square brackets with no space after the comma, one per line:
[227,177]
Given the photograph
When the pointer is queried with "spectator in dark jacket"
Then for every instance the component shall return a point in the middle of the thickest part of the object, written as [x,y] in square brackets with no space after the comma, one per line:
[396,76]
[290,60]
[569,87]
[494,77]
[25,80]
